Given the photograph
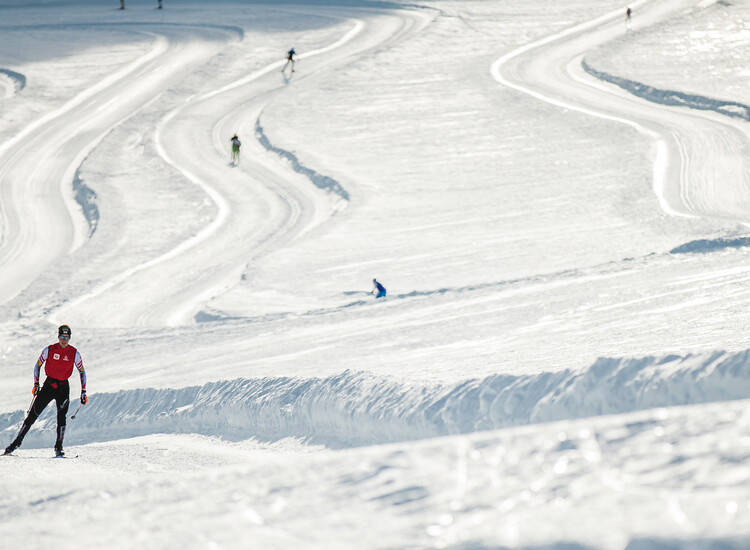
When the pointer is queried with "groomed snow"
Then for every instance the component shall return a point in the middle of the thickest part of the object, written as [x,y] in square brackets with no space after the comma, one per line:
[556,203]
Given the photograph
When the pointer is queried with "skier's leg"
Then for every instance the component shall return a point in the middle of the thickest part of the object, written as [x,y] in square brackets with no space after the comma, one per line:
[62,399]
[45,395]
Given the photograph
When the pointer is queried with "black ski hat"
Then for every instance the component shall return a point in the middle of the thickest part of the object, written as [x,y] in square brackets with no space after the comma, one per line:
[63,330]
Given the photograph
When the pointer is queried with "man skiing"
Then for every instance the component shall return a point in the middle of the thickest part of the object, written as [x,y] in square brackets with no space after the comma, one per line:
[379,288]
[628,14]
[60,359]
[289,59]
[235,159]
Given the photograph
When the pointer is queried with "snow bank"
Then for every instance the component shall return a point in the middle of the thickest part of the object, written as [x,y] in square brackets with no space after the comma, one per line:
[673,98]
[86,198]
[321,181]
[359,408]
[16,82]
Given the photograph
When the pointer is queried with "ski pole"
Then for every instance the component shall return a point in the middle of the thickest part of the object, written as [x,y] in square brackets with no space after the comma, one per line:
[78,409]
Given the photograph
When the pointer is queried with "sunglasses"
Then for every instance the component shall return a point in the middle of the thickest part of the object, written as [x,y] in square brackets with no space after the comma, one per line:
[64,337]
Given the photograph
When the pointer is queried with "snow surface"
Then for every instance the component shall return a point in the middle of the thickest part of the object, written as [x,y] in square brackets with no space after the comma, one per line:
[558,206]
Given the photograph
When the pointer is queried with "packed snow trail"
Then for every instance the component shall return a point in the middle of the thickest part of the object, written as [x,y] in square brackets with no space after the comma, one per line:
[260,203]
[40,221]
[692,175]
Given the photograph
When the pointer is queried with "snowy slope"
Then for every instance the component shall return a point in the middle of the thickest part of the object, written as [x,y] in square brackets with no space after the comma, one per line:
[556,204]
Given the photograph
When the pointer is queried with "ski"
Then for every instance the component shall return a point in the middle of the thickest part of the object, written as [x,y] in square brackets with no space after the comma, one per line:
[43,457]
[36,457]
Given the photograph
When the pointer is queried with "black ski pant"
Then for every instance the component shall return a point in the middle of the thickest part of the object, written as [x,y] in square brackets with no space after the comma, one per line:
[59,390]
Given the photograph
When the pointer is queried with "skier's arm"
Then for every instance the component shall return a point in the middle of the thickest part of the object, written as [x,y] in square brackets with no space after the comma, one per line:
[39,363]
[81,371]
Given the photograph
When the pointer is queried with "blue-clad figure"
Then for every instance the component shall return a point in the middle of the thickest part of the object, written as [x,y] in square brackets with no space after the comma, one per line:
[379,288]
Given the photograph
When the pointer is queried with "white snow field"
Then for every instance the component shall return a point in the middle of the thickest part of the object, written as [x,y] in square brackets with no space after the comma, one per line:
[557,202]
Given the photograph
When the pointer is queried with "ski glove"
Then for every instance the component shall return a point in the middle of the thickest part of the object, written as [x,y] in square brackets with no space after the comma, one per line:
[36,388]
[84,398]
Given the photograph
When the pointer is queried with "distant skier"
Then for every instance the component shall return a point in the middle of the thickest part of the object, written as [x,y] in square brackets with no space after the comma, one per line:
[159,2]
[289,59]
[235,159]
[60,359]
[122,4]
[628,14]
[380,289]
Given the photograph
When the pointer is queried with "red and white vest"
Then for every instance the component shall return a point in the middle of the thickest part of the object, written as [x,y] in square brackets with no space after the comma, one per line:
[60,361]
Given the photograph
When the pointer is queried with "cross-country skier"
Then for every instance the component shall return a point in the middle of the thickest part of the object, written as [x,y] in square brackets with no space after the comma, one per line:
[60,359]
[235,159]
[289,59]
[379,288]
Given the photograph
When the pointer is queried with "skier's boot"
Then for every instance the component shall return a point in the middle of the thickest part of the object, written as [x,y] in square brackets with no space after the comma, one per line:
[12,447]
[59,450]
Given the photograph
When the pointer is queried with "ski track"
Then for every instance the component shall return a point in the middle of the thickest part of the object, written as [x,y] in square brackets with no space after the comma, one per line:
[357,408]
[188,306]
[301,209]
[59,142]
[674,132]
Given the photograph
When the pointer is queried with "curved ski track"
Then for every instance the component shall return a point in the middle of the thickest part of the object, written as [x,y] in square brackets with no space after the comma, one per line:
[692,146]
[280,203]
[40,220]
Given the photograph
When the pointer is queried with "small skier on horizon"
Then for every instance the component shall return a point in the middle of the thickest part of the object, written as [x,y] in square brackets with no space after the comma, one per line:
[289,59]
[379,288]
[235,158]
[60,359]
[628,14]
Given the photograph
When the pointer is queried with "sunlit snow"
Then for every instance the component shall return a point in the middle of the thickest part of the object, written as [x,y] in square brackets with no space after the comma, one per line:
[557,203]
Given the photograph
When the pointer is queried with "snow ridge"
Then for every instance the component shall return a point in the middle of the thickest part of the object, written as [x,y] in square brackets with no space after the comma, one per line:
[672,98]
[706,246]
[319,180]
[355,408]
[18,80]
[86,197]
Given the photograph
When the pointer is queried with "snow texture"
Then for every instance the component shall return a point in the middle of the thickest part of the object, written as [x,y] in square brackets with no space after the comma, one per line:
[557,201]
